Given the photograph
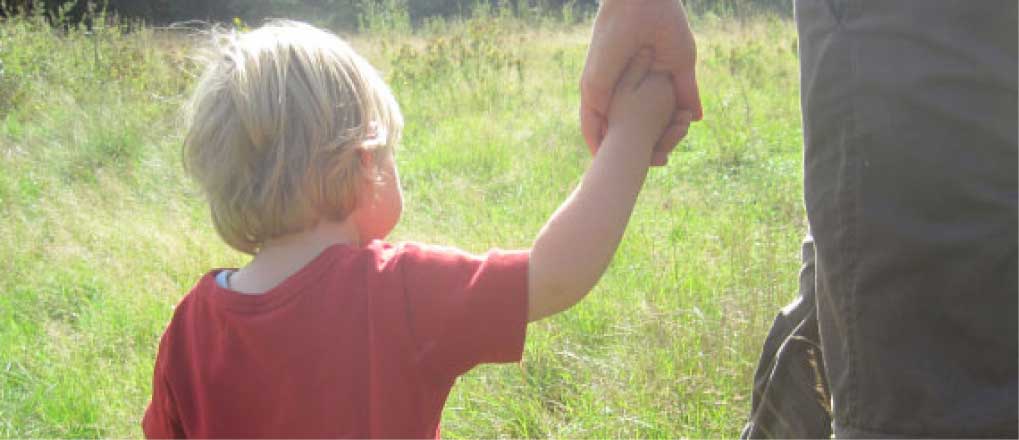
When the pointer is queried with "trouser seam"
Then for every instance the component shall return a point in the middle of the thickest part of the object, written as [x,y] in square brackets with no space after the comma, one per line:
[853,196]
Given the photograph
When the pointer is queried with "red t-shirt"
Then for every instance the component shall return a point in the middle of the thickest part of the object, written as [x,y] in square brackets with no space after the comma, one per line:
[361,342]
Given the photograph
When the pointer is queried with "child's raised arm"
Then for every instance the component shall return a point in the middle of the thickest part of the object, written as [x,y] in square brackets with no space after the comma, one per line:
[576,244]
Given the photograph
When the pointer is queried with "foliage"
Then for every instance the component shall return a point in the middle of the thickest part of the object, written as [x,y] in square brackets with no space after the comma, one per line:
[333,13]
[473,55]
[740,9]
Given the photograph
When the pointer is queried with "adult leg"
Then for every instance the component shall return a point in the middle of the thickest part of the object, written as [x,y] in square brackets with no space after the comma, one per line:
[790,397]
[910,168]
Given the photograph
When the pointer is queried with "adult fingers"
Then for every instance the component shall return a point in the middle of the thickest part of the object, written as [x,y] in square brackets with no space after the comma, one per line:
[659,159]
[667,143]
[673,134]
[684,85]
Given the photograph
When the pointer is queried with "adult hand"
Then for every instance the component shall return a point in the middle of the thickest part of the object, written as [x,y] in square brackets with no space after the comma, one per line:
[621,29]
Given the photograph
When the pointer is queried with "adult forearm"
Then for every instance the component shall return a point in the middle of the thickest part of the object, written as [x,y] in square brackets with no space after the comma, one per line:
[578,242]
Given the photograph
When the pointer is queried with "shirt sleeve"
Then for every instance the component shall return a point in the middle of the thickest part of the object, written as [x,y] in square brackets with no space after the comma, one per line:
[465,309]
[161,419]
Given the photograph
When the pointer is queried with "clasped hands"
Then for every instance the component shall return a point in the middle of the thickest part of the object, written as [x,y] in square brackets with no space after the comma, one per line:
[621,30]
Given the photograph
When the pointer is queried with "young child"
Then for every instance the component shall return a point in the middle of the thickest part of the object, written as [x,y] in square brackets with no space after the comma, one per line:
[330,331]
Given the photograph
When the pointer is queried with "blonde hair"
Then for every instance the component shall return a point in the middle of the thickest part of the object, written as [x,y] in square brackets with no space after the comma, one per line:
[274,127]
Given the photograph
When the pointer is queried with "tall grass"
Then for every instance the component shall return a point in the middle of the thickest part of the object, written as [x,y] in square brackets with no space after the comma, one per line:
[103,233]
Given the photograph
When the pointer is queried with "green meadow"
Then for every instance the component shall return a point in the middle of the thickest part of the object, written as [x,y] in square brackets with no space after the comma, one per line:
[102,233]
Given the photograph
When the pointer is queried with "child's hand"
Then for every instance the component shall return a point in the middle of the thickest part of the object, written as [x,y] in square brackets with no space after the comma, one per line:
[643,104]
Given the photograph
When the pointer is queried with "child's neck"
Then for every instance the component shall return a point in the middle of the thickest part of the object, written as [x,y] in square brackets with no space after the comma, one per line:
[283,256]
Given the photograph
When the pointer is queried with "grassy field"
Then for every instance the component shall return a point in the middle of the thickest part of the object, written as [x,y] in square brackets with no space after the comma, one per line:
[102,233]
